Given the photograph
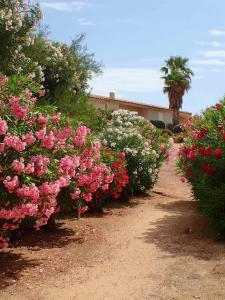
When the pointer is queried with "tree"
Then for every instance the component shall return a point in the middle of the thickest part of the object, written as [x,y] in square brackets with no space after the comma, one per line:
[67,68]
[177,81]
[18,22]
[63,70]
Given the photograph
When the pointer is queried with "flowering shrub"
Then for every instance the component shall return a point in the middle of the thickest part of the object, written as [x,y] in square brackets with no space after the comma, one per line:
[115,160]
[139,139]
[64,70]
[17,23]
[40,155]
[202,161]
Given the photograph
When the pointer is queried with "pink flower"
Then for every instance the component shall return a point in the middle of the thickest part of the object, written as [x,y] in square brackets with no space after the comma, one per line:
[64,134]
[18,110]
[30,192]
[41,133]
[3,127]
[105,187]
[29,138]
[68,164]
[14,142]
[11,183]
[64,181]
[83,209]
[29,169]
[40,163]
[48,141]
[42,119]
[76,194]
[81,133]
[94,186]
[87,197]
[56,118]
[18,165]
[2,147]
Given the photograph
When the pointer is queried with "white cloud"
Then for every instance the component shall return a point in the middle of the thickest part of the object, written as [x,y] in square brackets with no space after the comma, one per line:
[123,80]
[208,62]
[213,43]
[84,22]
[216,32]
[65,6]
[211,54]
[215,70]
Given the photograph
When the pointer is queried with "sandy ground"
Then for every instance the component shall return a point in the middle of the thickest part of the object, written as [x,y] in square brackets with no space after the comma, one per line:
[157,247]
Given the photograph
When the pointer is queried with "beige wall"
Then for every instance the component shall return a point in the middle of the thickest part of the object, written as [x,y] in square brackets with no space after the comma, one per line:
[153,114]
[150,113]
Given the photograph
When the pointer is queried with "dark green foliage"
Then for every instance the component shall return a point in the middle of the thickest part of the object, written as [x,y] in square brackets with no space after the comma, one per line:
[202,161]
[158,124]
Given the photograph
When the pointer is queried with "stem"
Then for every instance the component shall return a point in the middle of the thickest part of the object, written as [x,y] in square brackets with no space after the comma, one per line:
[78,211]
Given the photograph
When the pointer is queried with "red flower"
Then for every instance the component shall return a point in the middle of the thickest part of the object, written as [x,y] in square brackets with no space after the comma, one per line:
[218,106]
[188,171]
[220,128]
[208,169]
[208,151]
[115,165]
[218,153]
[201,150]
[224,136]
[192,155]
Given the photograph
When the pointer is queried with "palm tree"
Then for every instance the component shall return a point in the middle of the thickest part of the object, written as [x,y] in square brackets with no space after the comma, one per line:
[177,81]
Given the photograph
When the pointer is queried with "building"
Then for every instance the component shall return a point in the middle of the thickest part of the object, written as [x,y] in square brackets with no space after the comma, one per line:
[148,111]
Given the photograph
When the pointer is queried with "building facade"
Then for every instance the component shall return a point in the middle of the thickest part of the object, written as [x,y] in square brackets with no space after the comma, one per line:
[148,111]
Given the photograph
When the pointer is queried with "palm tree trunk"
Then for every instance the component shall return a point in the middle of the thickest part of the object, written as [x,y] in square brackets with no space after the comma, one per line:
[176,116]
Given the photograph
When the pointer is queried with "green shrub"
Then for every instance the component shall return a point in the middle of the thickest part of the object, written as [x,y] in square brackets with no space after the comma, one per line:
[178,138]
[202,161]
[169,126]
[167,131]
[158,124]
[143,144]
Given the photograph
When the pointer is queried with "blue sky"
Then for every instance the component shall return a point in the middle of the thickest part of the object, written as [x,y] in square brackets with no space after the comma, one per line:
[133,38]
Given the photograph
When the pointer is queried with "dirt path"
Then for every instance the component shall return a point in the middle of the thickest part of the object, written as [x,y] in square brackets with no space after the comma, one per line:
[158,248]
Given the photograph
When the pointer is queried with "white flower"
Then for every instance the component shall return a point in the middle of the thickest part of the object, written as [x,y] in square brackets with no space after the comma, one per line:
[113,145]
[171,141]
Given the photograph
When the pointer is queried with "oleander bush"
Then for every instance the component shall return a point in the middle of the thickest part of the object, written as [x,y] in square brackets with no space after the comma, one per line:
[158,124]
[42,156]
[144,146]
[202,161]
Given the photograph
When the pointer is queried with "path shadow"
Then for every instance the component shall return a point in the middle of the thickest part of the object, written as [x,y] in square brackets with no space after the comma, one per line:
[42,239]
[183,232]
[12,266]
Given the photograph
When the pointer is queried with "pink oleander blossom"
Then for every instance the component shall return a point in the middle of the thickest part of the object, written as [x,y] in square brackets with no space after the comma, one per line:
[76,194]
[3,127]
[29,138]
[56,118]
[48,141]
[18,111]
[18,165]
[14,142]
[11,184]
